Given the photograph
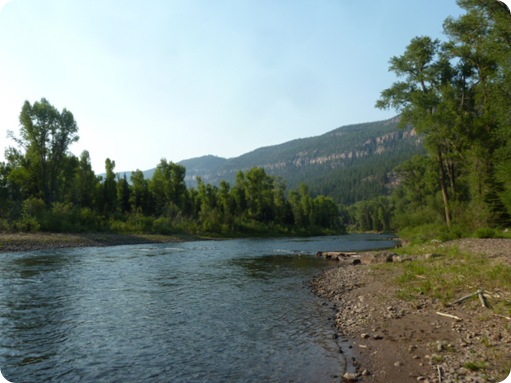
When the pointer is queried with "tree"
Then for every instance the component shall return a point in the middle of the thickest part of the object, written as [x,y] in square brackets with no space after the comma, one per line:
[423,102]
[86,182]
[480,45]
[259,192]
[168,188]
[44,140]
[302,206]
[109,188]
[123,195]
[140,198]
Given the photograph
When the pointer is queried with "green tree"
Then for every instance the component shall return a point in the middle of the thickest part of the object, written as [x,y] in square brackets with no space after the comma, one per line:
[326,213]
[479,44]
[302,206]
[422,100]
[140,199]
[44,139]
[109,188]
[168,188]
[123,195]
[86,182]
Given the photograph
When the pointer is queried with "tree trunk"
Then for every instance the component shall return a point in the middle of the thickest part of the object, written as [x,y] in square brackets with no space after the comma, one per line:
[443,187]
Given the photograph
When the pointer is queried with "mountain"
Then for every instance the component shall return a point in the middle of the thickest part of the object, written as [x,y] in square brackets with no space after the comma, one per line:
[351,163]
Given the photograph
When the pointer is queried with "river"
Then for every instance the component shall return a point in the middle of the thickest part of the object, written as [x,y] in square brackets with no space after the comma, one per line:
[202,311]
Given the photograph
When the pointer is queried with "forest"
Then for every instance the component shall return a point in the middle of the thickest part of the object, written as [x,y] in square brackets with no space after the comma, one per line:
[43,187]
[454,92]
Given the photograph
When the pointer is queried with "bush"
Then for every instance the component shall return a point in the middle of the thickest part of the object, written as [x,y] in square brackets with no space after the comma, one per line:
[486,232]
[27,225]
[163,226]
[426,233]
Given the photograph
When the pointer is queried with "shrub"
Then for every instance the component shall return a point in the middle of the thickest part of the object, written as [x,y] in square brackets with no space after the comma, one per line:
[485,232]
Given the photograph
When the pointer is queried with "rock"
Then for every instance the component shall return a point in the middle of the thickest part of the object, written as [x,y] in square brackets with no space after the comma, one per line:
[350,377]
[398,364]
[364,336]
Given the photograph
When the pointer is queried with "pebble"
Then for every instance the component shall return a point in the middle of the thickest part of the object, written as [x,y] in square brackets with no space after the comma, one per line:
[350,377]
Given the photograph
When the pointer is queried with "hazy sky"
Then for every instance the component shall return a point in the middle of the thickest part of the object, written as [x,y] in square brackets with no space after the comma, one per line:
[156,79]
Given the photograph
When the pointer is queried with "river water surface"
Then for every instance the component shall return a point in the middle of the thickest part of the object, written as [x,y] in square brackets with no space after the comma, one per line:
[203,311]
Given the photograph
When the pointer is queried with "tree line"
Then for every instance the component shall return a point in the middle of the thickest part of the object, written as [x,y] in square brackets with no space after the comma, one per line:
[45,187]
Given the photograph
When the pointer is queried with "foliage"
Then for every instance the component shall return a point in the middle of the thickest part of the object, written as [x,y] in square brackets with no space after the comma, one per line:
[455,94]
[37,195]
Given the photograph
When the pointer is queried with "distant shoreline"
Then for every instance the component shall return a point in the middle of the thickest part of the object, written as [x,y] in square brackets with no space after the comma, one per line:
[18,242]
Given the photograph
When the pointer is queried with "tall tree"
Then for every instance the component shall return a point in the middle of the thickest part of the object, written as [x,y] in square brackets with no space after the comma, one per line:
[86,182]
[479,44]
[168,188]
[109,188]
[422,100]
[140,197]
[44,139]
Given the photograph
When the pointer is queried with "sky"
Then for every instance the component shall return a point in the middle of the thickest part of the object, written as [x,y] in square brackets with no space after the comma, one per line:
[178,79]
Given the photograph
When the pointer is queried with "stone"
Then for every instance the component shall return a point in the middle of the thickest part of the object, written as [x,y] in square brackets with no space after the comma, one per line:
[350,377]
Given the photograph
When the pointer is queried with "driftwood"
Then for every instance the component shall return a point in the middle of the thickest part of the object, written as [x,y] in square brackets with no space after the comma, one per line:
[479,293]
[439,369]
[482,298]
[449,316]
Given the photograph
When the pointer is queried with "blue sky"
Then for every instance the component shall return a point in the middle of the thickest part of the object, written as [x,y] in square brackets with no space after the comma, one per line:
[156,79]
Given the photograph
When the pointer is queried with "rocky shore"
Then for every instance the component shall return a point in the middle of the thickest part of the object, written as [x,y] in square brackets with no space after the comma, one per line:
[420,339]
[15,242]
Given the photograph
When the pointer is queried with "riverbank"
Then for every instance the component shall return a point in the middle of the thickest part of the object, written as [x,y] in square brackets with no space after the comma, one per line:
[15,242]
[401,319]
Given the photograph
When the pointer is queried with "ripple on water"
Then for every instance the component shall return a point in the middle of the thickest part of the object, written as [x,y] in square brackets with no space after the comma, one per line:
[206,311]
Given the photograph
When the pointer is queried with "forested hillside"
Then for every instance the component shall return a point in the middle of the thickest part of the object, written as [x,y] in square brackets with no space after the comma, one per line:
[349,164]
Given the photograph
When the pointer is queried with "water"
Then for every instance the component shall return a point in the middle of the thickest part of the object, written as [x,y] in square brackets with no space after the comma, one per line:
[205,311]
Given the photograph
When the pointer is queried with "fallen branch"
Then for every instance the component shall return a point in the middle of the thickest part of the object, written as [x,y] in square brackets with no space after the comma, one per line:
[482,298]
[449,316]
[502,316]
[480,293]
[439,369]
[465,297]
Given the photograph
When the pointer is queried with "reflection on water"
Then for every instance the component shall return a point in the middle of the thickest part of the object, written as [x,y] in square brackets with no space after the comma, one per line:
[212,311]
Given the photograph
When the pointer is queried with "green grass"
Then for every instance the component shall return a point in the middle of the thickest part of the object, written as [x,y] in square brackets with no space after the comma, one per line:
[475,366]
[451,276]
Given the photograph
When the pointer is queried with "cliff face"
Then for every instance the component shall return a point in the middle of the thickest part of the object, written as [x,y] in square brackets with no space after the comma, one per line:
[346,158]
[372,146]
